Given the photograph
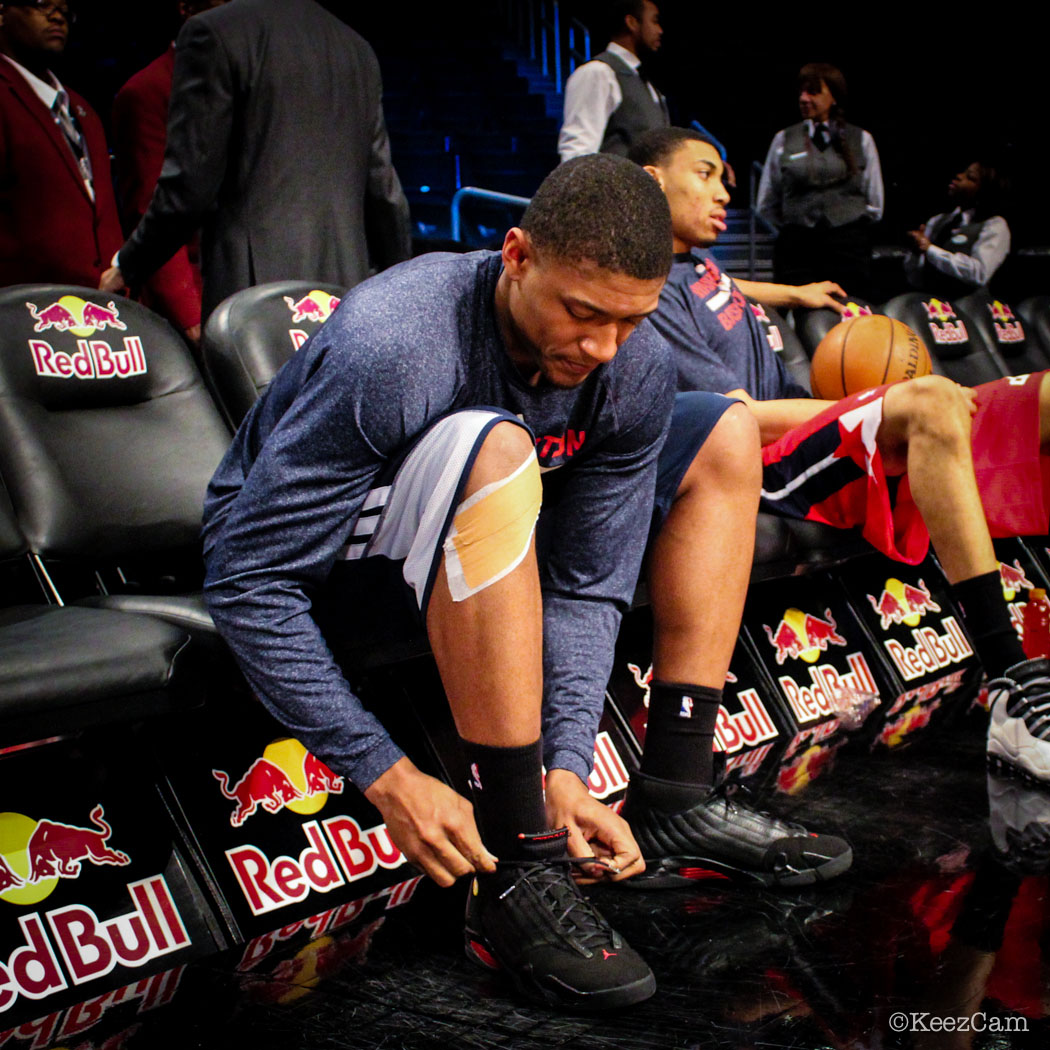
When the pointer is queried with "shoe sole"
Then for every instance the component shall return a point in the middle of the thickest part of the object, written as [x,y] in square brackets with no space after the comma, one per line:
[552,992]
[671,872]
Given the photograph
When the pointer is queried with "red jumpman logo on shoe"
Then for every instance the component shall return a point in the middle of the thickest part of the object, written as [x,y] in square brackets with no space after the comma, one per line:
[607,954]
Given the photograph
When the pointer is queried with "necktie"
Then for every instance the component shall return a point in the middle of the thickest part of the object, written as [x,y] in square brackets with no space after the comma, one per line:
[820,136]
[64,119]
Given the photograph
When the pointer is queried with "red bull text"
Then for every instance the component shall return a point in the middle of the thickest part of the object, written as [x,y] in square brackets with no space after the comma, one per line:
[82,947]
[944,324]
[817,700]
[1007,328]
[931,652]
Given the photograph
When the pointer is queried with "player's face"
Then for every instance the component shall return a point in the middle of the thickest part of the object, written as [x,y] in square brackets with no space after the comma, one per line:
[815,105]
[562,320]
[691,179]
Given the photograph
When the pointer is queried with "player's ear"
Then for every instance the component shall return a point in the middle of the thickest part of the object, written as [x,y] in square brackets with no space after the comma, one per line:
[656,173]
[517,252]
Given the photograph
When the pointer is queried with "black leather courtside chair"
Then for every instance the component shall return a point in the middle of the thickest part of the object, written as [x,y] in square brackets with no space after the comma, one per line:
[253,332]
[953,339]
[813,325]
[108,438]
[1006,332]
[66,669]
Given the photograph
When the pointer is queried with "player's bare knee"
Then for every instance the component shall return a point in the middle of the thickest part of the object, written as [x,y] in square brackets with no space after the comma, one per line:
[505,447]
[936,410]
[732,453]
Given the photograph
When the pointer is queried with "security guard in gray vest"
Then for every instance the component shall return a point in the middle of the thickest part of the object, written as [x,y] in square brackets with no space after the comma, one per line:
[959,250]
[607,102]
[822,188]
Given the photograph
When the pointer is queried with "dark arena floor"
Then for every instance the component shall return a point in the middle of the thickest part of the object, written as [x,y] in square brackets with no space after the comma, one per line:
[935,938]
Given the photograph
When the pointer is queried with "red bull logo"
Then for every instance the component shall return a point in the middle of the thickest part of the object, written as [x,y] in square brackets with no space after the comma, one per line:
[820,699]
[1014,580]
[939,310]
[852,309]
[802,636]
[608,774]
[83,947]
[338,851]
[931,652]
[944,324]
[902,603]
[315,306]
[287,775]
[746,728]
[910,721]
[76,315]
[1007,328]
[36,854]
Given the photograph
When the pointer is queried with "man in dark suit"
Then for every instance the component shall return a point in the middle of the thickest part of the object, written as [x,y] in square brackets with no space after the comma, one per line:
[140,131]
[58,218]
[277,147]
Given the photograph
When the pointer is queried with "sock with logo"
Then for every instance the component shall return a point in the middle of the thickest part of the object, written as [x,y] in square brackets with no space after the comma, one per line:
[987,619]
[680,735]
[506,784]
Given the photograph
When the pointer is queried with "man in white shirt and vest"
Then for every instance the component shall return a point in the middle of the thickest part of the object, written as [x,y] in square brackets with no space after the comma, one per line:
[608,103]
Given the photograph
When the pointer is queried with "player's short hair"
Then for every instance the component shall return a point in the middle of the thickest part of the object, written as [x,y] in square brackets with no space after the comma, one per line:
[657,146]
[602,209]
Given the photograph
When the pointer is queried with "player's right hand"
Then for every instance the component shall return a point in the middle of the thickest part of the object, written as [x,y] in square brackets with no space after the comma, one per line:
[431,824]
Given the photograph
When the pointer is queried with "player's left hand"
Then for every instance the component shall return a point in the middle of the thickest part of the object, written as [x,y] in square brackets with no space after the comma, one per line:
[820,296]
[594,829]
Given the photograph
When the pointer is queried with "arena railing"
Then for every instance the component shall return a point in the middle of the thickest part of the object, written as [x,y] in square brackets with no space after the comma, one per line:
[550,36]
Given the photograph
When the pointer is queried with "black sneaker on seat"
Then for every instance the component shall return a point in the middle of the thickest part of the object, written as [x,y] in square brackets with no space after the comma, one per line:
[684,839]
[530,920]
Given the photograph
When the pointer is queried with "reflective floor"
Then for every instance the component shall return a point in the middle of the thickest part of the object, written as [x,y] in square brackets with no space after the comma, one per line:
[934,939]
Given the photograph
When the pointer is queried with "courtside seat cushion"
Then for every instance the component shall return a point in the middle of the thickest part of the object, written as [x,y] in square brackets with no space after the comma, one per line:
[108,435]
[1005,332]
[64,668]
[188,612]
[250,335]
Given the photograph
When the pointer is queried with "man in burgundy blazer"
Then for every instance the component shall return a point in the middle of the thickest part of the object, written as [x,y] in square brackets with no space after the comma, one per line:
[55,224]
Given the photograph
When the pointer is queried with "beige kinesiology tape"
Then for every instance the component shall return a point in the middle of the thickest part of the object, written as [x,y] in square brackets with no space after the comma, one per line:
[491,531]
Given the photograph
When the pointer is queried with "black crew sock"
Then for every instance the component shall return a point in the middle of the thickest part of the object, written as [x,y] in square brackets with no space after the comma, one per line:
[680,735]
[506,784]
[987,619]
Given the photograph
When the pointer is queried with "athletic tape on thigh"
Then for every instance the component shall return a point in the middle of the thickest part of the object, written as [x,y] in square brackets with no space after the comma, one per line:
[491,531]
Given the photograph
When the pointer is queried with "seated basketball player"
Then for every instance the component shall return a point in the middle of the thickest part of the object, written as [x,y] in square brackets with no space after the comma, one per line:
[967,478]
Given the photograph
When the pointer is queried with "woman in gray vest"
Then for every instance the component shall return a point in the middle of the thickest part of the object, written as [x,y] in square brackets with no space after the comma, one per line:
[960,249]
[822,189]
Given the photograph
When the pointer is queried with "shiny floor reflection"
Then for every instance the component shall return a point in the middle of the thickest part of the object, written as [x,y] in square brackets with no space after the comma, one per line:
[941,926]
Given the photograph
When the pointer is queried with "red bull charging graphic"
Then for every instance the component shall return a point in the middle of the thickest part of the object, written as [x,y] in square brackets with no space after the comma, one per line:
[802,636]
[315,307]
[1007,328]
[71,944]
[83,357]
[902,603]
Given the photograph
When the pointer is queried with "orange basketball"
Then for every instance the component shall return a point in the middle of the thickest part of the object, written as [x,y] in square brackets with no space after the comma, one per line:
[864,352]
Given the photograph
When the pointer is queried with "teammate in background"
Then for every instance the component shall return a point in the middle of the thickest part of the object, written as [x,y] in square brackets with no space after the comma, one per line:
[607,101]
[140,131]
[963,475]
[959,250]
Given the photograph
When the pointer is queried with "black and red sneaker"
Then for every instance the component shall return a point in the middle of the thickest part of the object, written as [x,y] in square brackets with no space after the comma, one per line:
[685,838]
[530,920]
